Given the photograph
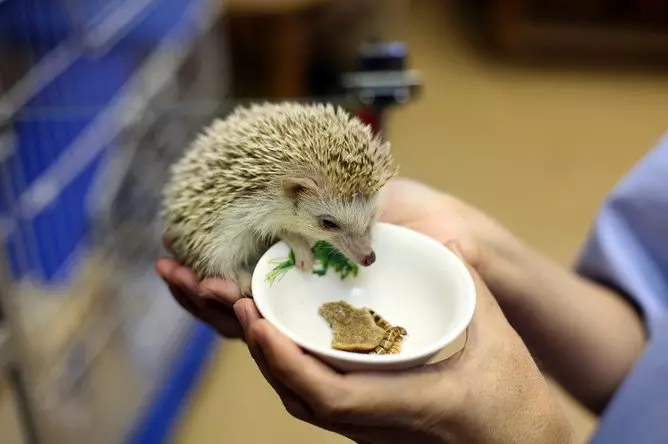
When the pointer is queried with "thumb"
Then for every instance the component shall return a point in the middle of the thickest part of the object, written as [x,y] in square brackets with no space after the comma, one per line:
[488,313]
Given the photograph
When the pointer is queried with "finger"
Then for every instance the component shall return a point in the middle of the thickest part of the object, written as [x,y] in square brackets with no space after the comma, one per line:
[183,300]
[309,378]
[383,399]
[177,281]
[220,289]
[387,399]
[172,272]
[365,399]
[484,297]
[222,318]
[488,322]
[247,313]
[184,278]
[165,267]
[399,194]
[295,406]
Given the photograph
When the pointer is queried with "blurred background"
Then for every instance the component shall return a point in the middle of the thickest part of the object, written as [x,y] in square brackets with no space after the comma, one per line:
[530,110]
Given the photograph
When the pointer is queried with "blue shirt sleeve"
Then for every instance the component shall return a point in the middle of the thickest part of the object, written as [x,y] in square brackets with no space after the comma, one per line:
[628,245]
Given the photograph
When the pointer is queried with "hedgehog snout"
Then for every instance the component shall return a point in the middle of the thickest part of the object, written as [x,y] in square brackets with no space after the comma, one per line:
[369,259]
[356,248]
[365,258]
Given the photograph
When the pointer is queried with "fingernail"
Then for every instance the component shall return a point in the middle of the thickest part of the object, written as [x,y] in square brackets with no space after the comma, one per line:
[454,245]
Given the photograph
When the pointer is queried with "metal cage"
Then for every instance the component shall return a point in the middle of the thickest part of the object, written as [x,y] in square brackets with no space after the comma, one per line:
[99,99]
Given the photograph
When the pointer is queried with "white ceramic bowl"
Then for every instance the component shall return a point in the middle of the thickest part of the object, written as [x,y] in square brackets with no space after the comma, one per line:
[415,283]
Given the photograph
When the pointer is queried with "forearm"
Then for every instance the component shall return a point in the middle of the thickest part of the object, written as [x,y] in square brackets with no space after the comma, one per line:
[584,335]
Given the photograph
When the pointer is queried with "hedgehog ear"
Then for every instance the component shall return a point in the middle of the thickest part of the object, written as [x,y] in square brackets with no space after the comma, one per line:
[295,186]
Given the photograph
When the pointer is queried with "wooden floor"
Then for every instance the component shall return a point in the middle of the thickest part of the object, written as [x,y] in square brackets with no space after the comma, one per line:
[536,148]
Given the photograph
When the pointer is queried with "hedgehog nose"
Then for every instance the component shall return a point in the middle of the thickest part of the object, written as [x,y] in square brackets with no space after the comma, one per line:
[369,259]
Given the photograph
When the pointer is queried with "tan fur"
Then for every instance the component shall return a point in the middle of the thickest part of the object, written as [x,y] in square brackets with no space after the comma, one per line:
[225,202]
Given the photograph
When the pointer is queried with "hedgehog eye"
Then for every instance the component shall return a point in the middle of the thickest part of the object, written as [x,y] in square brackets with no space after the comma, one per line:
[328,224]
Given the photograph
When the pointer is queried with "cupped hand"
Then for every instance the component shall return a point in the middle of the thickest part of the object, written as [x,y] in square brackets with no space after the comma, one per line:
[490,392]
[408,203]
[210,300]
[442,217]
[403,202]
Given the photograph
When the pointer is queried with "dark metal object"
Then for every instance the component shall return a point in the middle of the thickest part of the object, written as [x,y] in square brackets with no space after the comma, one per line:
[381,80]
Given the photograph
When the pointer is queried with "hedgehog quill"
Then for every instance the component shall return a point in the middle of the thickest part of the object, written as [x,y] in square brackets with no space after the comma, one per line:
[268,172]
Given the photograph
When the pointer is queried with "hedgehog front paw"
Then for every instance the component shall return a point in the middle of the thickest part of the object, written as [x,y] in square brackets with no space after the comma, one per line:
[244,281]
[300,247]
[304,259]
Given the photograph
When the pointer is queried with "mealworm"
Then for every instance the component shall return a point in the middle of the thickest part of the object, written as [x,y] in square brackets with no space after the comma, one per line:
[391,342]
[378,319]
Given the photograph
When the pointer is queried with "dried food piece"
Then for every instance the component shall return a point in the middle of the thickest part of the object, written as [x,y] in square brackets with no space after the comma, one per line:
[354,329]
[361,329]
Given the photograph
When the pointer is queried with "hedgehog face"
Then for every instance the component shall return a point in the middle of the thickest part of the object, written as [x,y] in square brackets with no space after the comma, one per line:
[345,223]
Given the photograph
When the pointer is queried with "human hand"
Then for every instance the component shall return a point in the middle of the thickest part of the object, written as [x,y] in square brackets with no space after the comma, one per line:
[490,392]
[444,218]
[404,202]
[210,300]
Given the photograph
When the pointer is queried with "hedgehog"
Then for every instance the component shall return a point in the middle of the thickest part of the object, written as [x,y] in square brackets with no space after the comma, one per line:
[299,173]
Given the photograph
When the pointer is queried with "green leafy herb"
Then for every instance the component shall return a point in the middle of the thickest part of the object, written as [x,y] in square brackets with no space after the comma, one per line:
[327,256]
[330,257]
[282,267]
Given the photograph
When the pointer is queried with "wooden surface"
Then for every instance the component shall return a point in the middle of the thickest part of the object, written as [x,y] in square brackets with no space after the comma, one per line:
[537,149]
[580,28]
[280,33]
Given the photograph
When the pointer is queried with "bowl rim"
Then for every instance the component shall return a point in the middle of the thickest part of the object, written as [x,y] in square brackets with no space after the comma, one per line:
[424,352]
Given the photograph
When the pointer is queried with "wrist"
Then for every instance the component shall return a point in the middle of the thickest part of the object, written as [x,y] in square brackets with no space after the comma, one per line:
[534,415]
[516,404]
